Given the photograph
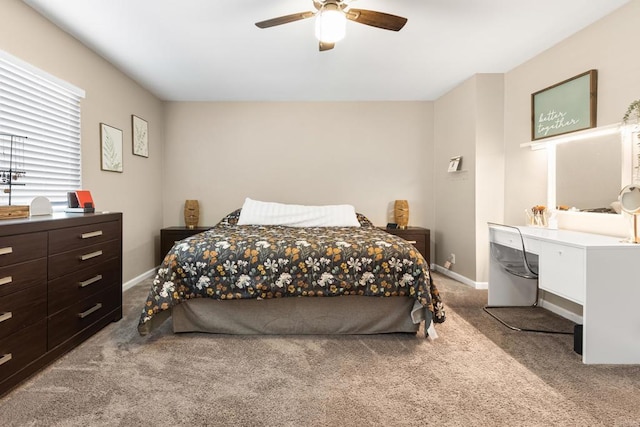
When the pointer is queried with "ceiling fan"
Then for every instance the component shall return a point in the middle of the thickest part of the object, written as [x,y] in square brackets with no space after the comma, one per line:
[331,17]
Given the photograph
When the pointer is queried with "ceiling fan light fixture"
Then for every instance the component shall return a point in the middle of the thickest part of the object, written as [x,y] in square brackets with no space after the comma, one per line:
[331,24]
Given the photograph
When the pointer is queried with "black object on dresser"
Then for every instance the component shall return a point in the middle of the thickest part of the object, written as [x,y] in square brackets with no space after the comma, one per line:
[60,283]
[170,235]
[418,236]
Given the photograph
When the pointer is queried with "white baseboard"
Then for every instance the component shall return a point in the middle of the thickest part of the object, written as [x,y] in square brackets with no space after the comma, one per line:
[131,283]
[459,277]
[560,311]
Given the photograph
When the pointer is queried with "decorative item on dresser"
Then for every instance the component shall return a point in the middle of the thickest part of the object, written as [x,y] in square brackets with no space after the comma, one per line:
[417,236]
[170,235]
[11,170]
[60,282]
[191,213]
[401,213]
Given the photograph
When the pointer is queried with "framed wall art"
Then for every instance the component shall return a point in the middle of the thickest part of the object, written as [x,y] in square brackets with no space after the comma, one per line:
[565,107]
[110,148]
[140,136]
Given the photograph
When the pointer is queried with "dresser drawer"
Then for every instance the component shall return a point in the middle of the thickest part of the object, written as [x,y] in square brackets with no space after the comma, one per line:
[417,236]
[81,315]
[81,284]
[511,238]
[563,271]
[67,239]
[23,308]
[24,247]
[20,276]
[81,258]
[21,348]
[417,240]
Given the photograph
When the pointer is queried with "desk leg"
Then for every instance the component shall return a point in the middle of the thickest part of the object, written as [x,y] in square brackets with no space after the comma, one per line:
[611,319]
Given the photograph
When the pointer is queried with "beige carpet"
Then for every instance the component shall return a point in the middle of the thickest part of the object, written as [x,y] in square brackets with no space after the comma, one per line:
[477,373]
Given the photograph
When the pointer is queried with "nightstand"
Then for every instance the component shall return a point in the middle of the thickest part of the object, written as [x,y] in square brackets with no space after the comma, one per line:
[170,235]
[418,236]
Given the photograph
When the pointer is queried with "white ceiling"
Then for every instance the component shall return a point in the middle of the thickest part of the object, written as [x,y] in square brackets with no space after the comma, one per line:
[210,50]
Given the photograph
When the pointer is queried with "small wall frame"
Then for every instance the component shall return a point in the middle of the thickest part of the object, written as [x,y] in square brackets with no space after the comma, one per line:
[110,148]
[140,136]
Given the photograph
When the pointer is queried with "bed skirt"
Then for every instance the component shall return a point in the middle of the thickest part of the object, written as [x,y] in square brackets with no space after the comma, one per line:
[289,316]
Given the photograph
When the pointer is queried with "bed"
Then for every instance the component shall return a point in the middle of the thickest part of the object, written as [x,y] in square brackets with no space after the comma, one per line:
[274,278]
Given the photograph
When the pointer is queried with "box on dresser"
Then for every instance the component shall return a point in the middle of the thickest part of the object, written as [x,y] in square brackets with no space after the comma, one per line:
[60,283]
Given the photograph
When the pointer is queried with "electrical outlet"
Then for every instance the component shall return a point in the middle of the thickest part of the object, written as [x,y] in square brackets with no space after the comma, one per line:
[453,258]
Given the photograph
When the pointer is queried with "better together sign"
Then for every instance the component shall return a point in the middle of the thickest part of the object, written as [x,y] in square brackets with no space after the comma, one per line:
[566,107]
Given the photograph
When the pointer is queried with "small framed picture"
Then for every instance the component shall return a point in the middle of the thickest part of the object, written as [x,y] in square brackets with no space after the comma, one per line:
[140,136]
[454,164]
[110,148]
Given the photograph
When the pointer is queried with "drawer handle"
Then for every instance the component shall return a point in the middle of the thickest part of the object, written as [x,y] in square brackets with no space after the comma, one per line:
[5,316]
[90,255]
[91,234]
[6,280]
[413,242]
[5,358]
[88,282]
[84,314]
[6,251]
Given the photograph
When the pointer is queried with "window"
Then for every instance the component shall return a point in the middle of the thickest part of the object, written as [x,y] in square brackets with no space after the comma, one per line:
[43,112]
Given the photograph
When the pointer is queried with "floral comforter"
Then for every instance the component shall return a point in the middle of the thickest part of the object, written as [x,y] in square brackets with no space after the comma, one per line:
[235,262]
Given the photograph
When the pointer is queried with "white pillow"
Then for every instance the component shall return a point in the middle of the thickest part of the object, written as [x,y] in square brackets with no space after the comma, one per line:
[268,213]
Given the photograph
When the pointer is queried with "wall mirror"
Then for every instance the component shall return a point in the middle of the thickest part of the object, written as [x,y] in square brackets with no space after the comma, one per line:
[589,173]
[586,169]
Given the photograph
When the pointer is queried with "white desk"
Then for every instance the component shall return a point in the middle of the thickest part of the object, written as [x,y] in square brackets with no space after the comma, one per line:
[599,272]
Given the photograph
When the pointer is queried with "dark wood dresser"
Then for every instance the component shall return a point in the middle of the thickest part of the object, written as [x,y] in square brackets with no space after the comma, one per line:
[170,235]
[60,283]
[417,236]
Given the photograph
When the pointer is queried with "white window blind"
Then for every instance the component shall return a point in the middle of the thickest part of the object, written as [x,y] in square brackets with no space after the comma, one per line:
[43,115]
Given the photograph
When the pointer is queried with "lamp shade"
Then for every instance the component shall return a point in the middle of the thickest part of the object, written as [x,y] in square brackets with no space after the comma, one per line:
[401,213]
[331,24]
[191,213]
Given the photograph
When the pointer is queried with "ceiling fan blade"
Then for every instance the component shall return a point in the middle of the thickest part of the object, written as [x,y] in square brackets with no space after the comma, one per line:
[376,19]
[284,19]
[325,46]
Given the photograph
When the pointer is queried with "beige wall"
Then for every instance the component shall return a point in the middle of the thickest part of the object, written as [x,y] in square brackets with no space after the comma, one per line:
[455,135]
[468,122]
[489,165]
[363,153]
[608,46]
[112,98]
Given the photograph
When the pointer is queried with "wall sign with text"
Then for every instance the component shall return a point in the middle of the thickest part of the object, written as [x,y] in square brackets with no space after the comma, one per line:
[565,107]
